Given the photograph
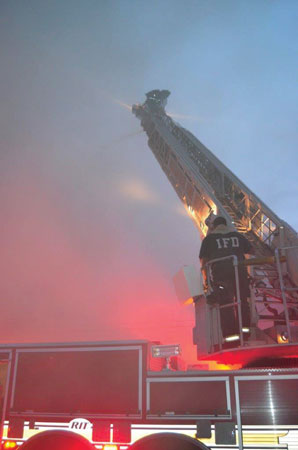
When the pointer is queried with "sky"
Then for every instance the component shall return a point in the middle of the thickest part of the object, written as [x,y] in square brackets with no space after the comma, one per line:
[92,232]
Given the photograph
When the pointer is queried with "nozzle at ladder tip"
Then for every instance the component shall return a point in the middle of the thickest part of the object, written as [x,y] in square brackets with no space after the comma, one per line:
[156,100]
[158,94]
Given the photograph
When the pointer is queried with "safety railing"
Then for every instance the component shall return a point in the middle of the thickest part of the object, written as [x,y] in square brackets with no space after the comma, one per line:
[279,254]
[279,260]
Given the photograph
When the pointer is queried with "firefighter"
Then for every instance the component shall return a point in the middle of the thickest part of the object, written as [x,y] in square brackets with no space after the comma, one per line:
[220,242]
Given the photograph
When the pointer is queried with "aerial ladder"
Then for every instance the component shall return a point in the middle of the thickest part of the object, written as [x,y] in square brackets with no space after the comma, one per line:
[207,188]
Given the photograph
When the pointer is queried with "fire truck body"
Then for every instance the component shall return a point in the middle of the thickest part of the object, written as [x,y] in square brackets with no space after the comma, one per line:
[115,393]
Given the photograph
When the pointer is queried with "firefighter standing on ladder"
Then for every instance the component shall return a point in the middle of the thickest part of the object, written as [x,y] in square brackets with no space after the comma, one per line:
[224,241]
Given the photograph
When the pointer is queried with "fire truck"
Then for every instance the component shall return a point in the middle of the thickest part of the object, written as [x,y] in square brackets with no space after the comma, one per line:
[138,395]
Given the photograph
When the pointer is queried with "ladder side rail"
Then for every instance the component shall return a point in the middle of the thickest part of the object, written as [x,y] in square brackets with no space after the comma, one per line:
[206,166]
[223,169]
[159,136]
[258,218]
[192,169]
[262,221]
[255,202]
[255,213]
[171,132]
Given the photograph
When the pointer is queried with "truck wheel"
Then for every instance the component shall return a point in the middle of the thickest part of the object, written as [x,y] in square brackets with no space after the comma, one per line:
[58,440]
[168,441]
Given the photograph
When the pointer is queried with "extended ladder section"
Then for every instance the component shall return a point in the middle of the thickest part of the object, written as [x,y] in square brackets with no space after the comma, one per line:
[208,188]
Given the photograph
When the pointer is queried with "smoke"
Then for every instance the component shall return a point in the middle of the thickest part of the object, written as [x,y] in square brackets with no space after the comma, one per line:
[90,237]
[71,278]
[136,189]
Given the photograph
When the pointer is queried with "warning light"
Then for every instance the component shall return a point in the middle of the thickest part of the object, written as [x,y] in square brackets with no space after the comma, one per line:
[165,351]
[10,445]
[283,338]
[232,338]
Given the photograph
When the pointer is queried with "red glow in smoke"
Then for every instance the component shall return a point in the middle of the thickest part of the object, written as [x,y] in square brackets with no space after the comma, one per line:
[65,277]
